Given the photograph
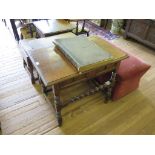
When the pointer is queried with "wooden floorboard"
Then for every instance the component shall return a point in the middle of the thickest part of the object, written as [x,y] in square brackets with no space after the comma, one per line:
[24,109]
[16,91]
[31,116]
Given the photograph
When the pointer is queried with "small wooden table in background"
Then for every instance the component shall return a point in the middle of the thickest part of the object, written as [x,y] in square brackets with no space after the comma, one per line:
[52,27]
[79,30]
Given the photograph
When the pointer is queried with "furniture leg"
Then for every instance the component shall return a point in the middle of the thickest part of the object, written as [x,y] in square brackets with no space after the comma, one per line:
[110,86]
[44,89]
[106,23]
[109,93]
[30,68]
[83,26]
[24,63]
[113,78]
[14,28]
[77,29]
[57,103]
[102,22]
[87,34]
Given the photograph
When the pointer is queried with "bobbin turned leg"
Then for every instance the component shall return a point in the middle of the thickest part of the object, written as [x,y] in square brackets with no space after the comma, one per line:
[110,86]
[31,68]
[57,103]
[43,87]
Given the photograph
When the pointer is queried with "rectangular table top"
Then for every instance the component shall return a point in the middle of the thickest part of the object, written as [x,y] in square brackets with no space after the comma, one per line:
[53,67]
[53,26]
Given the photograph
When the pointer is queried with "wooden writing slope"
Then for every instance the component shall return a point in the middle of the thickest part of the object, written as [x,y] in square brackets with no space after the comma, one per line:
[56,71]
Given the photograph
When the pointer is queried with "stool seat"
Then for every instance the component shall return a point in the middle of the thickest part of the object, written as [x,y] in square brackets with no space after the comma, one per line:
[128,77]
[131,67]
[129,73]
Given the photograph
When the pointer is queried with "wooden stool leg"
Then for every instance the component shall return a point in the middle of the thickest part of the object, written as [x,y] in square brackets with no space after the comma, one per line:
[57,103]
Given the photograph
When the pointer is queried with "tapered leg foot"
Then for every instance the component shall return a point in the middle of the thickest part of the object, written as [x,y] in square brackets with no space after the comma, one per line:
[59,119]
[57,103]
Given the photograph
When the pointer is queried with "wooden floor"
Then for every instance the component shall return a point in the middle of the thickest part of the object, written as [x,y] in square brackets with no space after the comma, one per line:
[24,110]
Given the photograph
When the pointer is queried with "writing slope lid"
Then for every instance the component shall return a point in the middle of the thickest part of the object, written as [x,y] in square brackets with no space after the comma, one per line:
[81,51]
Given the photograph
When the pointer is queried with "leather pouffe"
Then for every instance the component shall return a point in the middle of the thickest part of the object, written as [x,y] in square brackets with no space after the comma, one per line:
[129,74]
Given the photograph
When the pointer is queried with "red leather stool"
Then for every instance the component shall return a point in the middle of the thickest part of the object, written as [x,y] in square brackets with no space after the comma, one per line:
[129,74]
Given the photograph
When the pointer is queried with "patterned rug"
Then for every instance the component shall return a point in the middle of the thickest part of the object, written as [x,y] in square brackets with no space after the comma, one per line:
[99,31]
